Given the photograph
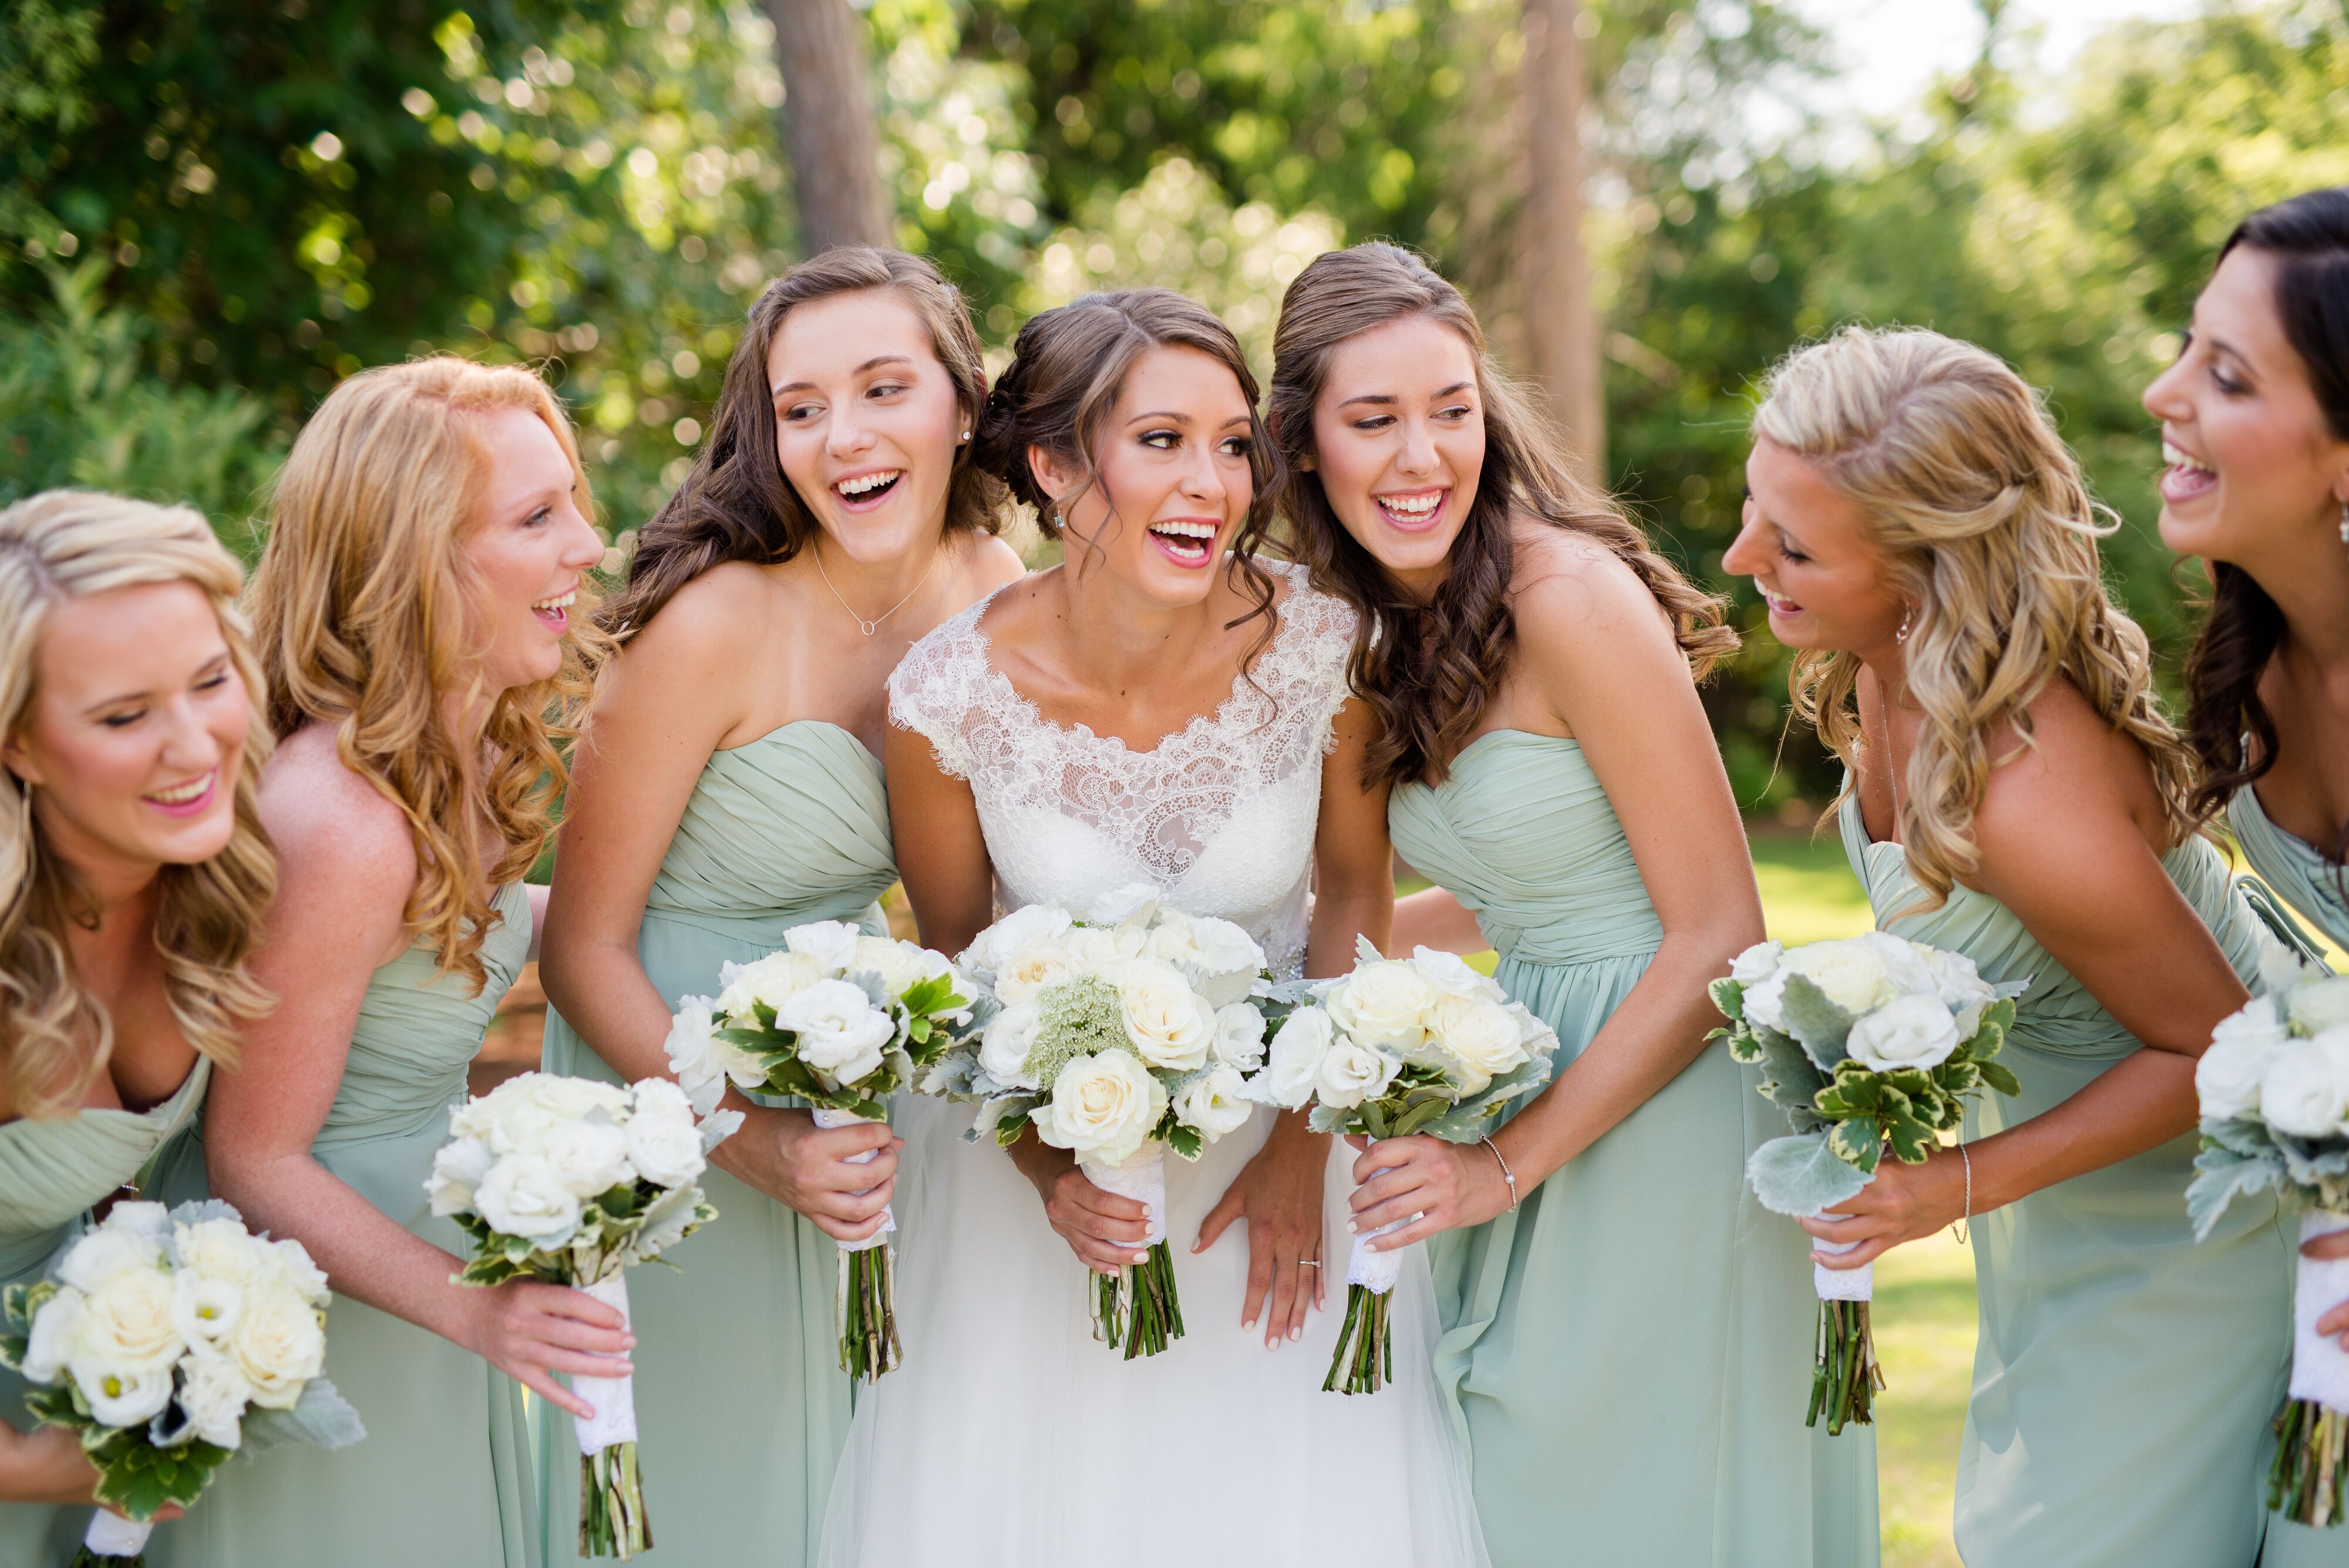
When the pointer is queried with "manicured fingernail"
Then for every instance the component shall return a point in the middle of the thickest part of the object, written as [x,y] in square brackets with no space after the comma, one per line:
[1354,1225]
[1142,1257]
[1297,1332]
[629,1343]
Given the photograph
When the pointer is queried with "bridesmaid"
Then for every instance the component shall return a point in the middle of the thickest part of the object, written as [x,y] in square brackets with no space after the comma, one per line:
[2255,415]
[730,787]
[413,608]
[133,878]
[1923,538]
[1627,1338]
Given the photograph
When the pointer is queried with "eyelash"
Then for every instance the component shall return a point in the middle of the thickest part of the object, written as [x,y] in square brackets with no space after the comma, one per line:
[1457,411]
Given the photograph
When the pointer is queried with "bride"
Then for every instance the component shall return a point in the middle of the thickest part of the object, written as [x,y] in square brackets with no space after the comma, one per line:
[1161,709]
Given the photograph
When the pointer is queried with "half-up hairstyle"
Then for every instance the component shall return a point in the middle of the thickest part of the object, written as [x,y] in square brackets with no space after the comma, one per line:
[55,1037]
[362,608]
[2308,237]
[736,504]
[1068,367]
[1429,669]
[1990,531]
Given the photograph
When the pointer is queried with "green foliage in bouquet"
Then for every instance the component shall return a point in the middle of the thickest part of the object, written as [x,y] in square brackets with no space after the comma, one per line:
[924,1037]
[639,1219]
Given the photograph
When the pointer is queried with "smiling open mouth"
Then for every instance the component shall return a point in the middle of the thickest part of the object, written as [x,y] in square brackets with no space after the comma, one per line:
[867,489]
[1413,510]
[2187,476]
[556,611]
[185,799]
[1189,542]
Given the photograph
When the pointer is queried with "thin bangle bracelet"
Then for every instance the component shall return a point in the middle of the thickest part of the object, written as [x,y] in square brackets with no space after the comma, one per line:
[1507,1174]
[1961,1232]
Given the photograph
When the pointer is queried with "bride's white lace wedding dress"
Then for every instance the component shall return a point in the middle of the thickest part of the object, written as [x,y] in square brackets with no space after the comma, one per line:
[1010,1436]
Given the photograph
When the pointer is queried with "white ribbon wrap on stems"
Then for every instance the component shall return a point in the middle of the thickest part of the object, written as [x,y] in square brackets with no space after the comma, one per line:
[615,1398]
[1142,1178]
[1840,1285]
[2320,1367]
[111,1535]
[827,1118]
[1377,1271]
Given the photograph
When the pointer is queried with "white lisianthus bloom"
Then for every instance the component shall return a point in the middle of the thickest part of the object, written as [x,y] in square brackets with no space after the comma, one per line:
[1850,974]
[121,1398]
[1766,1000]
[1031,969]
[769,981]
[126,1323]
[665,1221]
[2306,1089]
[105,1253]
[521,1196]
[55,1337]
[1909,1031]
[214,1393]
[1450,973]
[1005,1042]
[1353,1071]
[1102,1107]
[2317,1005]
[831,943]
[151,1220]
[1290,1076]
[841,1034]
[203,1310]
[278,1346]
[308,1280]
[1094,948]
[458,1167]
[1132,905]
[1385,1004]
[1215,1103]
[657,1099]
[901,966]
[1484,1037]
[1020,928]
[225,1249]
[589,1157]
[1171,1026]
[1904,962]
[2226,1076]
[665,1147]
[702,1062]
[1756,963]
[1239,1037]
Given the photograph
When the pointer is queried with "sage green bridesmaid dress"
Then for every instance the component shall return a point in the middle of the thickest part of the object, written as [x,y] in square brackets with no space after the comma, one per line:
[443,1476]
[741,1407]
[2300,875]
[1629,1350]
[52,1171]
[2123,1376]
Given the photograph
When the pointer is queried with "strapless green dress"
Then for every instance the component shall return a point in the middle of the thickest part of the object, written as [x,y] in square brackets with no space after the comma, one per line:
[52,1171]
[741,1407]
[1629,1352]
[2123,1376]
[444,1475]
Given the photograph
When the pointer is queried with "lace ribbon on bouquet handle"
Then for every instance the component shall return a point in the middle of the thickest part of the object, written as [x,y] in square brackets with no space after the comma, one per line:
[1840,1285]
[1142,1178]
[827,1118]
[1376,1272]
[614,1399]
[111,1535]
[2320,1367]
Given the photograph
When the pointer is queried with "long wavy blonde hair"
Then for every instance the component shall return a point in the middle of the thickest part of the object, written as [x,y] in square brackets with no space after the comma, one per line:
[362,609]
[55,1038]
[1990,531]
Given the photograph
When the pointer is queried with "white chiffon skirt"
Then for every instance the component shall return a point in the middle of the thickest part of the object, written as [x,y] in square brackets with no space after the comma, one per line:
[1010,1436]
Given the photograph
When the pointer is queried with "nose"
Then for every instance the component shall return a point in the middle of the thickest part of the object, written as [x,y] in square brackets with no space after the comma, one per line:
[1418,454]
[845,435]
[581,546]
[1202,477]
[2166,398]
[1743,557]
[189,745]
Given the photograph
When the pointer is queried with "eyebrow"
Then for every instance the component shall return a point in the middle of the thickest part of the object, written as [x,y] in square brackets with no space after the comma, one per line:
[877,359]
[1384,398]
[100,706]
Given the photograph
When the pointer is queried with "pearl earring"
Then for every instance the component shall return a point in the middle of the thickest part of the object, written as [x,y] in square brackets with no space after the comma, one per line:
[965,435]
[2344,522]
[1907,615]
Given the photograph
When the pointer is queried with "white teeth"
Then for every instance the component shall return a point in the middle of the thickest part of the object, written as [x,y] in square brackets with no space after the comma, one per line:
[1413,506]
[1185,530]
[180,794]
[2178,459]
[560,601]
[869,482]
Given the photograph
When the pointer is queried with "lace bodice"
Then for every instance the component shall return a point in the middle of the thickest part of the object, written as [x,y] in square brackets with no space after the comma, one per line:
[1219,816]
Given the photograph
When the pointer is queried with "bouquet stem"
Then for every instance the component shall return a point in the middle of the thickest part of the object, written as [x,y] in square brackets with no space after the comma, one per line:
[1153,1320]
[611,1521]
[2311,1462]
[867,1302]
[1365,1355]
[1846,1380]
[114,1541]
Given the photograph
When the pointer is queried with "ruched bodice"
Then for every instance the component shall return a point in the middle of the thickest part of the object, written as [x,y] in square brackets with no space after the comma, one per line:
[52,1169]
[2292,865]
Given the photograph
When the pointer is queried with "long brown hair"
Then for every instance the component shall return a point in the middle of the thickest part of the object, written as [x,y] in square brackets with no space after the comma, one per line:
[1428,670]
[361,611]
[2230,727]
[736,504]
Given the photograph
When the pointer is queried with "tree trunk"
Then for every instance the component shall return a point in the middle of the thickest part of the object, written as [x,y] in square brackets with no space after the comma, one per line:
[1554,275]
[828,125]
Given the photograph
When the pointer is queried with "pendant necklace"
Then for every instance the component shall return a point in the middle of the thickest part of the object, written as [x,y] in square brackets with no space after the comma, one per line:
[869,627]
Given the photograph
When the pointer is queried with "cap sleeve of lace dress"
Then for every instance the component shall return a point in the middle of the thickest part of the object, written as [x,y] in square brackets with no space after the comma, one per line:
[930,690]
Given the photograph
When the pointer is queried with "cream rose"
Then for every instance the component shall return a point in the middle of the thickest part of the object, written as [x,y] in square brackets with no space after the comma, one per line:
[663,1145]
[1102,1107]
[841,1034]
[1171,1026]
[1351,1072]
[1215,1103]
[590,1157]
[1031,969]
[213,1395]
[1294,1071]
[521,1196]
[1384,1003]
[1451,974]
[1098,947]
[1005,1042]
[767,983]
[2306,1089]
[1909,1031]
[2226,1076]
[278,1346]
[126,1323]
[830,944]
[1850,974]
[224,1250]
[308,1280]
[1484,1037]
[458,1167]
[900,966]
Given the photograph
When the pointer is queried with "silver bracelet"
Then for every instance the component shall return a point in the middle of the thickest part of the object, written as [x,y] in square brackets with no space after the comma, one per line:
[1960,1231]
[1507,1174]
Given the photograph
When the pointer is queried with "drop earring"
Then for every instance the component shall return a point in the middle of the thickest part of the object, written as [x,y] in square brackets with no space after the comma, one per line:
[2344,523]
[1909,614]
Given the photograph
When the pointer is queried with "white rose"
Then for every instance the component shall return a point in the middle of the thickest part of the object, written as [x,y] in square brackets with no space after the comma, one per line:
[105,1253]
[901,966]
[521,1196]
[205,1310]
[308,1280]
[1132,905]
[1031,969]
[665,1146]
[841,1034]
[1102,1108]
[1756,963]
[127,1324]
[769,981]
[2317,1005]
[591,1157]
[1005,1042]
[832,944]
[458,1167]
[1020,928]
[1383,1004]
[119,1399]
[1908,1031]
[1450,973]
[2226,1076]
[1290,1076]
[1351,1072]
[1215,1103]
[1171,1026]
[1851,973]
[2306,1089]
[225,1249]
[278,1346]
[1239,1037]
[1095,948]
[213,1395]
[571,1097]
[1484,1037]
[55,1337]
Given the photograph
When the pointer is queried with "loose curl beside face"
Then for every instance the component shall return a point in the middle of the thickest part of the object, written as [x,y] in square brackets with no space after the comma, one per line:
[55,1038]
[736,504]
[1989,531]
[363,609]
[1429,669]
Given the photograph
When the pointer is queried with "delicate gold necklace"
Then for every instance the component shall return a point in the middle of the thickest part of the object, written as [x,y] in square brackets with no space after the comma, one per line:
[869,627]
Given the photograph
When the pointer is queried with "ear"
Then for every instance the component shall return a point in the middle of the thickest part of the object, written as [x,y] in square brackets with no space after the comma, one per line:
[14,758]
[1051,477]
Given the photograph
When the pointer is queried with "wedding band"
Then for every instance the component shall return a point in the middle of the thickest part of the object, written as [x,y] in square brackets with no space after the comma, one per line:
[1309,1262]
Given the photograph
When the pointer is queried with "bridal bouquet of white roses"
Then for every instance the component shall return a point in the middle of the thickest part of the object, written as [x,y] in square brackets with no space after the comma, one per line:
[571,1180]
[843,1021]
[1425,1046]
[2274,1087]
[1869,1044]
[170,1340]
[1117,1037]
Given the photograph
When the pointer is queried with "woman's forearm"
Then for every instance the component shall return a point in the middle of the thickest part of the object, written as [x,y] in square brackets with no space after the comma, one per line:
[604,995]
[2139,1103]
[1338,916]
[1433,918]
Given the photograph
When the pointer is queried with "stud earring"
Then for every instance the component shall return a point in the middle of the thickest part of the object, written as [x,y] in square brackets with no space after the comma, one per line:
[1909,615]
[965,435]
[2344,523]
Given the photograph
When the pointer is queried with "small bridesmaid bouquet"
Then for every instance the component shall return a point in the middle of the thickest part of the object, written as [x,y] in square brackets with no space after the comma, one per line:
[1871,1044]
[1398,1047]
[1117,1037]
[2274,1087]
[842,1021]
[170,1341]
[572,1181]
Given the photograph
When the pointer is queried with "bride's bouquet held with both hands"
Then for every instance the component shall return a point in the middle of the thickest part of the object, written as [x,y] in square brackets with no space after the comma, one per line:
[842,1021]
[572,1181]
[1118,1037]
[2274,1088]
[1425,1046]
[1871,1046]
[169,1340]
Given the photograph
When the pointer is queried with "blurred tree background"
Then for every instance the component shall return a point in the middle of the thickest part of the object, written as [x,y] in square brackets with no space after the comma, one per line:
[211,210]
